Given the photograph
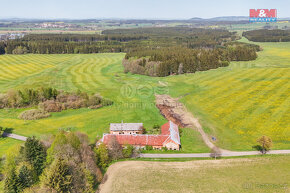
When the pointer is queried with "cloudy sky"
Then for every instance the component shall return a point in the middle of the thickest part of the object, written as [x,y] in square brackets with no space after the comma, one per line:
[136,9]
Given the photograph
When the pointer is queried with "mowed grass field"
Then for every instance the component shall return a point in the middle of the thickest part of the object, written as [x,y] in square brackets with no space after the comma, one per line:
[133,95]
[236,104]
[259,174]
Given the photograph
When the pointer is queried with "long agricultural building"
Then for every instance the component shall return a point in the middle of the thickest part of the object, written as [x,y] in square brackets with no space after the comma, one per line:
[131,133]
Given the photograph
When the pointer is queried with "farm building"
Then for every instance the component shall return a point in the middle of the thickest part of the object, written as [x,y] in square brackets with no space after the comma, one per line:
[126,128]
[168,138]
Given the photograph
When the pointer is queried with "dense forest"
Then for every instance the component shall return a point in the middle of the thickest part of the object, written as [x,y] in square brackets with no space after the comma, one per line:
[65,162]
[265,35]
[179,60]
[116,40]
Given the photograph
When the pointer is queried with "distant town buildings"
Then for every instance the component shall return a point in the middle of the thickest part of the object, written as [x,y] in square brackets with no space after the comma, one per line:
[11,36]
[132,133]
[54,25]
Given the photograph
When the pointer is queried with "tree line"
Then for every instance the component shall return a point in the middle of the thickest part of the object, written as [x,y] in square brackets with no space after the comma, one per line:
[265,35]
[49,100]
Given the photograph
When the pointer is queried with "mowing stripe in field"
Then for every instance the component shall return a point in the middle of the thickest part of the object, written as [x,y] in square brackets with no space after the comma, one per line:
[274,110]
[243,103]
[238,94]
[224,89]
[240,108]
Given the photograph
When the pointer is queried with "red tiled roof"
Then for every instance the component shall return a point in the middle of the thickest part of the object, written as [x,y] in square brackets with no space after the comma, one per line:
[165,129]
[169,132]
[142,140]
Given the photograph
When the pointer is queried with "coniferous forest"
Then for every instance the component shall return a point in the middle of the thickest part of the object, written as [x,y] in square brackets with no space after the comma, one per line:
[265,35]
[150,51]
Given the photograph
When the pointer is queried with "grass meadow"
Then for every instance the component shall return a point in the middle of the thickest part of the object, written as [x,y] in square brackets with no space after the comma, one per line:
[236,104]
[239,103]
[259,174]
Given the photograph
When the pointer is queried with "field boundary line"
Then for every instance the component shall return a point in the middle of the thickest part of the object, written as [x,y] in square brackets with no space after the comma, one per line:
[201,155]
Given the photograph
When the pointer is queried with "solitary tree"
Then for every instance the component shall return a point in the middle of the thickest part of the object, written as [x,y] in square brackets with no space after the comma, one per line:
[266,144]
[102,156]
[215,152]
[115,149]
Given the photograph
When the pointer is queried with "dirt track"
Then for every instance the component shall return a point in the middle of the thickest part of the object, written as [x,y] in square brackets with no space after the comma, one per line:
[176,112]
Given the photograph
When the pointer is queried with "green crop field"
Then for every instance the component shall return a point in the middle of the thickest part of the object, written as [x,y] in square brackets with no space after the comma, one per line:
[259,174]
[236,104]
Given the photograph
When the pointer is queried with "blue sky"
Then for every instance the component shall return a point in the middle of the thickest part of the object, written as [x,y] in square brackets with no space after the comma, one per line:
[137,9]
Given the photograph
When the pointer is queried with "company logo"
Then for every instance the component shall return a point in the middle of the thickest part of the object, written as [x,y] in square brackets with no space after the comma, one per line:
[263,15]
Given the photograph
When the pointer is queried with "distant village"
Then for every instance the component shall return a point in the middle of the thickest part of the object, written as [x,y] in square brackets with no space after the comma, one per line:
[11,36]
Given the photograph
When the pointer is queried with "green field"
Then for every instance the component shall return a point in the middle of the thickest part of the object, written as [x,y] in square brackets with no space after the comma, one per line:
[6,144]
[244,101]
[95,73]
[260,174]
[237,104]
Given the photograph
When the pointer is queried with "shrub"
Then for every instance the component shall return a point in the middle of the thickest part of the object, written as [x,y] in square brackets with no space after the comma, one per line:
[164,148]
[20,50]
[94,100]
[106,102]
[102,156]
[148,147]
[51,106]
[3,101]
[1,131]
[75,104]
[33,114]
[128,151]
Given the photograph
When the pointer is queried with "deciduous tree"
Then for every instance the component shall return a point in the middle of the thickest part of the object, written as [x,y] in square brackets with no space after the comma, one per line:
[266,144]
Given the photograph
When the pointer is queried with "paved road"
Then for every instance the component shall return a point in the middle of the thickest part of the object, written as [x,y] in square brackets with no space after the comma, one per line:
[180,155]
[228,154]
[14,136]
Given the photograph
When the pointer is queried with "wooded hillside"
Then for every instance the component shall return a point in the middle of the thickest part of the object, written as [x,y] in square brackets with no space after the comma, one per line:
[265,35]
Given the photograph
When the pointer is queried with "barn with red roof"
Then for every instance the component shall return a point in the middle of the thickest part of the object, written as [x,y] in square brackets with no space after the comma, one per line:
[168,138]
